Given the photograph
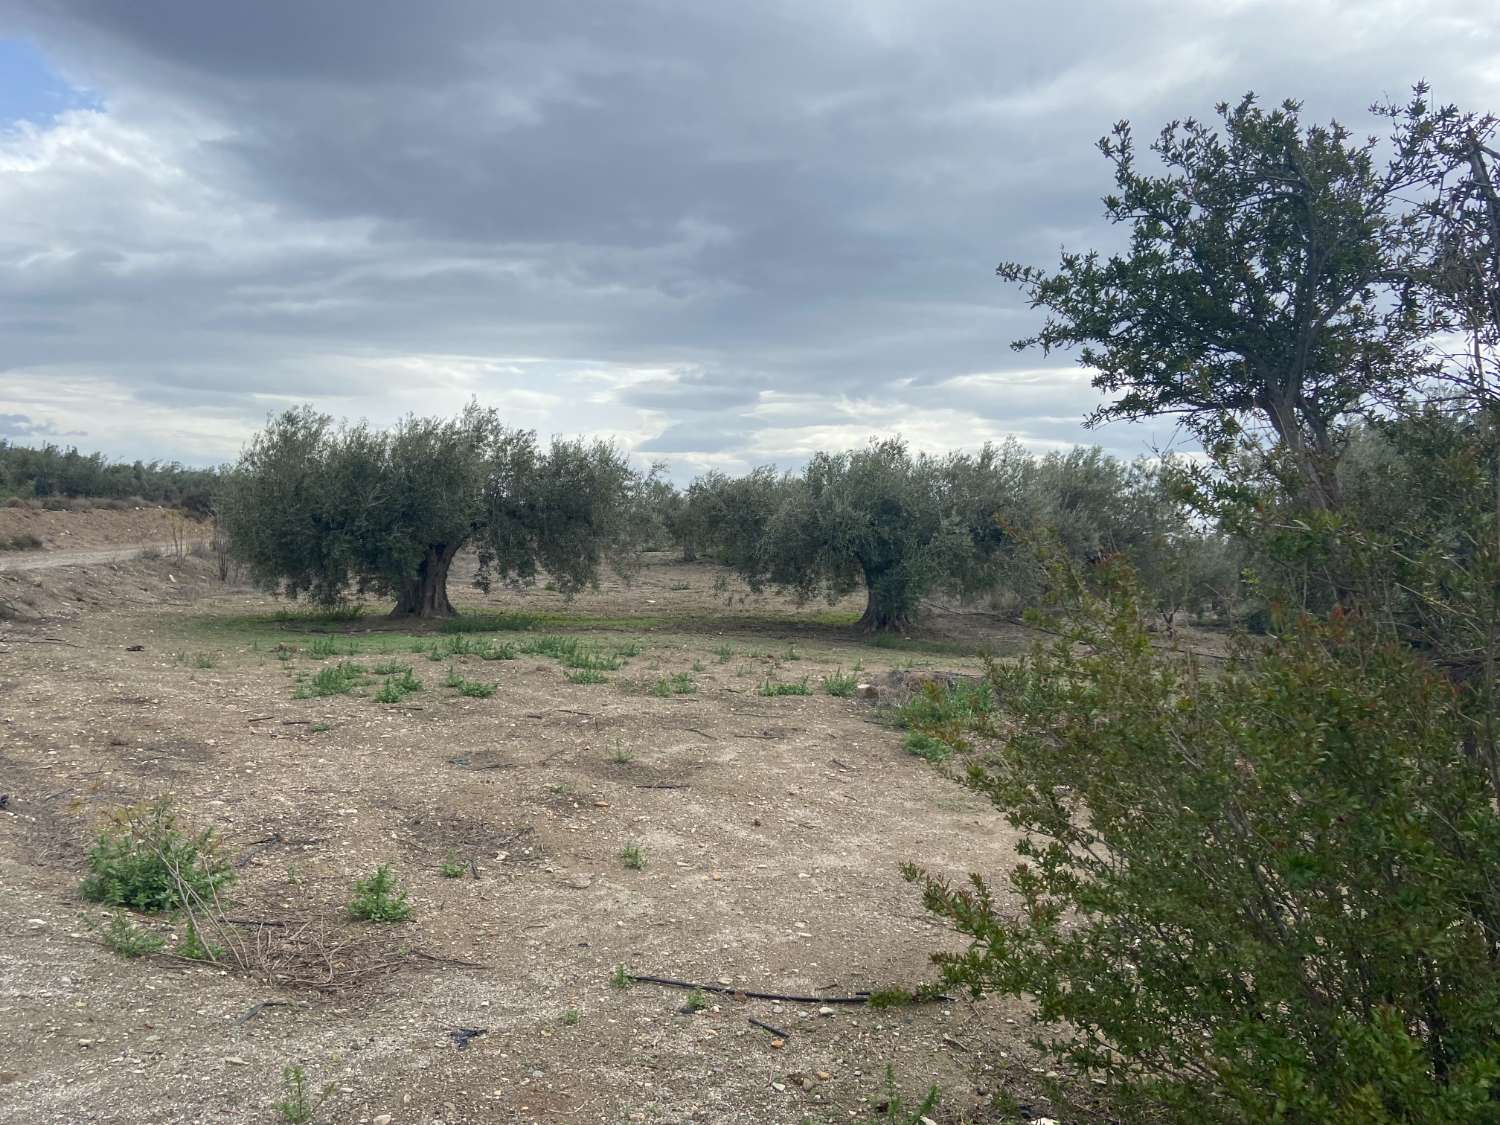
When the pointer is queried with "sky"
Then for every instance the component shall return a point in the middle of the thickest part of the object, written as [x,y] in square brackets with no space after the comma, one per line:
[724,234]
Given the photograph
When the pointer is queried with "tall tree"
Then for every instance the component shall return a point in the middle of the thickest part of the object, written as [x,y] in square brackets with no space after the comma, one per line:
[1268,277]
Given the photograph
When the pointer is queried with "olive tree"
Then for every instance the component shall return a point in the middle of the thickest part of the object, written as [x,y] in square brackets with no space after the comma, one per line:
[897,525]
[331,510]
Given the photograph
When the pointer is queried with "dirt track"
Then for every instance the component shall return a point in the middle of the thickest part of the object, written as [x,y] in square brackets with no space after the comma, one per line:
[46,560]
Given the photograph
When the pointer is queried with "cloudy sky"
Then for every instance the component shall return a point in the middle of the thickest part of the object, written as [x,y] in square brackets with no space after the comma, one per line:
[725,233]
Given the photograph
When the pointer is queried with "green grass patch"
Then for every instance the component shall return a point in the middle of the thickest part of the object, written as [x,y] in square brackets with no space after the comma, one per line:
[782,687]
[586,676]
[924,745]
[840,684]
[336,679]
[490,623]
[678,683]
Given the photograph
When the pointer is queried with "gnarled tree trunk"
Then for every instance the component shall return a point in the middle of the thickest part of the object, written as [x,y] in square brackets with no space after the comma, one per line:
[882,612]
[426,595]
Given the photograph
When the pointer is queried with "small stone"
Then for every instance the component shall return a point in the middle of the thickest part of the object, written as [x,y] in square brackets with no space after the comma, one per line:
[825,1011]
[867,691]
[777,1044]
[824,1076]
[235,1060]
[383,1119]
[778,1086]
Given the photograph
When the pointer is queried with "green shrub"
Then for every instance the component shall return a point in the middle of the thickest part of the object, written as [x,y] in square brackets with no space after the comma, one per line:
[840,684]
[192,946]
[778,687]
[586,676]
[924,745]
[335,679]
[679,683]
[379,899]
[475,690]
[124,937]
[1266,894]
[147,862]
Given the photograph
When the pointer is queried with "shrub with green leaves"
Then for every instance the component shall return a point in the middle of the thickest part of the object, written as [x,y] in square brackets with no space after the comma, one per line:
[1264,894]
[124,937]
[146,861]
[379,898]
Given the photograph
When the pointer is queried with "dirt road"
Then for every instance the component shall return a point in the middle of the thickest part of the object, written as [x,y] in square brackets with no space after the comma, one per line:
[45,560]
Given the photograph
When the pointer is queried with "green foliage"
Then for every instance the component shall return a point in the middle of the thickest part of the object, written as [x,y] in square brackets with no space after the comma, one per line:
[1267,276]
[124,937]
[474,690]
[146,861]
[320,648]
[697,1000]
[490,623]
[298,1104]
[379,899]
[633,857]
[620,978]
[840,684]
[941,717]
[1265,894]
[782,687]
[585,676]
[327,511]
[452,866]
[397,687]
[335,679]
[52,471]
[192,946]
[893,1107]
[928,746]
[678,683]
[571,1017]
[898,525]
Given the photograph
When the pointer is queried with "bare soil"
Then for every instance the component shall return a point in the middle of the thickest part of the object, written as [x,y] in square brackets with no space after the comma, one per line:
[771,829]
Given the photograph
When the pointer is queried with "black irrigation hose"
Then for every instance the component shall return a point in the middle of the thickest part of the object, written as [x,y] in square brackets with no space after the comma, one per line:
[857,998]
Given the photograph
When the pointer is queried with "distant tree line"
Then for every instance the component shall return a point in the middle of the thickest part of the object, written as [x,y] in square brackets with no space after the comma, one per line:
[51,471]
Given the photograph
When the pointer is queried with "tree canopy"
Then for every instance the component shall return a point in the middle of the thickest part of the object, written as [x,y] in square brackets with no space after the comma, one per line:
[1268,275]
[332,510]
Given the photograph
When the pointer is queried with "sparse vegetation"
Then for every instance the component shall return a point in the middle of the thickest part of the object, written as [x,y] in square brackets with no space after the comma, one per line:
[633,857]
[298,1104]
[334,679]
[378,898]
[620,978]
[678,683]
[781,687]
[840,684]
[124,937]
[452,866]
[146,861]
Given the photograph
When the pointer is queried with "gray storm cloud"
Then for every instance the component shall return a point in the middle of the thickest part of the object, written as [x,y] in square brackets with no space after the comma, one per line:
[718,232]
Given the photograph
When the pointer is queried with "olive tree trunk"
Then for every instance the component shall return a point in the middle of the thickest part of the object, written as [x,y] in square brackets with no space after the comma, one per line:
[886,606]
[426,594]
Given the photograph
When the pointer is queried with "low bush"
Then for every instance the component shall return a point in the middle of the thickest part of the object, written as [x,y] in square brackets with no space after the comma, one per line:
[146,861]
[1266,894]
[379,898]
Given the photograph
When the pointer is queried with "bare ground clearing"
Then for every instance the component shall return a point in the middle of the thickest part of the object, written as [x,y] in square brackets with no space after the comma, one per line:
[771,828]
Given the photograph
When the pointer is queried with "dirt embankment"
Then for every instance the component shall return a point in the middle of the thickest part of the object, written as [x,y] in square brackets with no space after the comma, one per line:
[98,529]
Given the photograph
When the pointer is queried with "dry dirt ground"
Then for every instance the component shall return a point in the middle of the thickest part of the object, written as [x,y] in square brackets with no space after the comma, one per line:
[771,829]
